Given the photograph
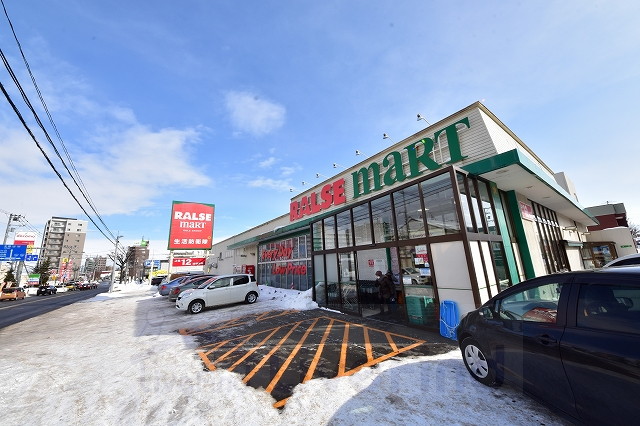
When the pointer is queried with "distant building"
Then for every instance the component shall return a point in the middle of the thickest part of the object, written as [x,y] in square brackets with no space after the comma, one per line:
[94,266]
[63,244]
[609,216]
[136,255]
[611,238]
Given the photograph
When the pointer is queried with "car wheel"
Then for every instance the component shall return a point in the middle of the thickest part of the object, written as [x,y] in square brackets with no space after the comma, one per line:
[196,307]
[481,368]
[414,282]
[251,298]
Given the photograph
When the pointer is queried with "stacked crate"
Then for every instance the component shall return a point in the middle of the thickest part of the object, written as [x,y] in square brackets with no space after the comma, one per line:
[420,309]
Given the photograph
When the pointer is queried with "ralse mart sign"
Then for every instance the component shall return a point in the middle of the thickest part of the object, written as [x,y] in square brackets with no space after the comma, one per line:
[375,177]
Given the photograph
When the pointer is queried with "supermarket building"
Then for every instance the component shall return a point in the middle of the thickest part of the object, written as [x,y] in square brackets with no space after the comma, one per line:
[457,212]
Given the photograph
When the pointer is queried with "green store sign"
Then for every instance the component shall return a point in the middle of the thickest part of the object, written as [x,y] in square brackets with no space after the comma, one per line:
[376,176]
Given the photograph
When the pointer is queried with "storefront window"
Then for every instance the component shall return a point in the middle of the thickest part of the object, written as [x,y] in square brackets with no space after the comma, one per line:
[329,233]
[320,283]
[409,213]
[343,224]
[549,238]
[348,282]
[464,203]
[362,224]
[500,266]
[487,209]
[317,236]
[440,206]
[285,264]
[383,221]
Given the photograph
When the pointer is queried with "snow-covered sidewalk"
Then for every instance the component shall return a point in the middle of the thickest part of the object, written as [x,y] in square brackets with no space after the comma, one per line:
[118,359]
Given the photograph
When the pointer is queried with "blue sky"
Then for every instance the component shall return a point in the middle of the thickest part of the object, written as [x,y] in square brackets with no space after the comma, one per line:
[234,103]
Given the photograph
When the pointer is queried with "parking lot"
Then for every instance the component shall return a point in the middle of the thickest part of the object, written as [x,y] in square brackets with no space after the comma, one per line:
[278,350]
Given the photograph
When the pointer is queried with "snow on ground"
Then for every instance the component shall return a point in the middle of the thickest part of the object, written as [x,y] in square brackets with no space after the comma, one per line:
[118,359]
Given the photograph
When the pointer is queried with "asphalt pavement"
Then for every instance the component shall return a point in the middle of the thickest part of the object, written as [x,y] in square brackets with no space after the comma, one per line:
[278,350]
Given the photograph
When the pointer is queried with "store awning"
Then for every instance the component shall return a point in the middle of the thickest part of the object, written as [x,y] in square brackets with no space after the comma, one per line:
[514,171]
[278,232]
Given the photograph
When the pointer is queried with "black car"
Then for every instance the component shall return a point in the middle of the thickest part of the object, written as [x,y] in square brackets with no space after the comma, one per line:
[46,290]
[571,340]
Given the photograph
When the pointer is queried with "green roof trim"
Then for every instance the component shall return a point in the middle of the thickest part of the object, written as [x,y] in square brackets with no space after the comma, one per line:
[516,157]
[277,232]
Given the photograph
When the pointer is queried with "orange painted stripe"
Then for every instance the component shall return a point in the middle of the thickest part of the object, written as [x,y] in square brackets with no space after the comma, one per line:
[286,363]
[382,358]
[343,350]
[316,357]
[280,403]
[214,346]
[264,360]
[393,345]
[236,347]
[255,348]
[367,344]
[206,361]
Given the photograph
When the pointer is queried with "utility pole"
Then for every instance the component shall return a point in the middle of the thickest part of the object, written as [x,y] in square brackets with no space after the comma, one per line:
[113,269]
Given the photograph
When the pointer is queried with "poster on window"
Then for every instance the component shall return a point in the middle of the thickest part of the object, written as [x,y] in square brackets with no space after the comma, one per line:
[191,226]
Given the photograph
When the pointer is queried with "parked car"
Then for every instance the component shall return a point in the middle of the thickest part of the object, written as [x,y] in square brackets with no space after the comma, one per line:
[12,293]
[186,284]
[165,288]
[157,279]
[219,290]
[44,290]
[569,339]
[630,259]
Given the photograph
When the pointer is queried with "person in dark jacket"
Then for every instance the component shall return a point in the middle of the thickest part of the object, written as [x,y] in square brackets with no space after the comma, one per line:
[386,290]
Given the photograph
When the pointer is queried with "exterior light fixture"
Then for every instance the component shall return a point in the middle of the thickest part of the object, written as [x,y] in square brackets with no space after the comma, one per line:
[319,174]
[386,136]
[336,165]
[420,117]
[359,152]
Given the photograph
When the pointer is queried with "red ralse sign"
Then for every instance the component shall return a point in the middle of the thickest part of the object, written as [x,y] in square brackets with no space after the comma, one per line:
[191,226]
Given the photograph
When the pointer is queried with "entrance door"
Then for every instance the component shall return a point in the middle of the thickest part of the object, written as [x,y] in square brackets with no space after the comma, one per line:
[369,262]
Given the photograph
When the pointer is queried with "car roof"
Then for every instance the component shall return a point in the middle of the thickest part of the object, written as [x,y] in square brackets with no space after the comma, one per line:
[619,259]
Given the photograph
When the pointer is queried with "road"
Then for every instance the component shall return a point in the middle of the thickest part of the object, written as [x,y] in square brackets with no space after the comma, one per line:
[14,311]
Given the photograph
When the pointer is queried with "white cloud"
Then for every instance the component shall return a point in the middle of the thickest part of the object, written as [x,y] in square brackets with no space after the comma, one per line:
[267,163]
[280,185]
[253,115]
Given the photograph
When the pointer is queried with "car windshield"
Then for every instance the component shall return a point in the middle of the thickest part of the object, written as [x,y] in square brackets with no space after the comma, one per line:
[411,271]
[207,282]
[9,290]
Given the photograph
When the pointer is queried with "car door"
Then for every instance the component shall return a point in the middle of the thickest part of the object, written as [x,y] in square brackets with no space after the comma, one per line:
[601,349]
[218,292]
[239,288]
[526,338]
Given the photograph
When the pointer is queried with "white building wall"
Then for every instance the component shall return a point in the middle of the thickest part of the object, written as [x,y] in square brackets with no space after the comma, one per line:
[452,274]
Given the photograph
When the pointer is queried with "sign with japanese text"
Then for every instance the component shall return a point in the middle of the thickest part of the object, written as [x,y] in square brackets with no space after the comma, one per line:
[191,226]
[188,261]
[11,252]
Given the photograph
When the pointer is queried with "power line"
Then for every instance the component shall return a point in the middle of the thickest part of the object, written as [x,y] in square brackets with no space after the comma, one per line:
[81,187]
[26,126]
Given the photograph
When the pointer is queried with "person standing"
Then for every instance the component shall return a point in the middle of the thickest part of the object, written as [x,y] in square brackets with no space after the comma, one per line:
[386,290]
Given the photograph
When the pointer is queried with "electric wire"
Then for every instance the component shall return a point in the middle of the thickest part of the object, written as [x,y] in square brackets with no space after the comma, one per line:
[33,137]
[81,187]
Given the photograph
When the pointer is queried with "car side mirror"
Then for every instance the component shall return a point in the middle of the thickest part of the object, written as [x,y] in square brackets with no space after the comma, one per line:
[486,313]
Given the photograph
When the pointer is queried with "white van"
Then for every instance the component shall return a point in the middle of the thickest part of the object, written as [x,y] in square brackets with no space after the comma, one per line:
[219,290]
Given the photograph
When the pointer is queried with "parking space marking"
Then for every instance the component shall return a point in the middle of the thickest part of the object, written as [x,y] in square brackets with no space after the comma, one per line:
[281,357]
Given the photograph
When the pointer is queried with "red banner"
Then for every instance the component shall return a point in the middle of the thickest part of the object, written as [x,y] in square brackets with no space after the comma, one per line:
[188,261]
[191,226]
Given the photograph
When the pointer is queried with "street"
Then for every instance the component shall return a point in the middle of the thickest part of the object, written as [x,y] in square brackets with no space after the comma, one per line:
[15,311]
